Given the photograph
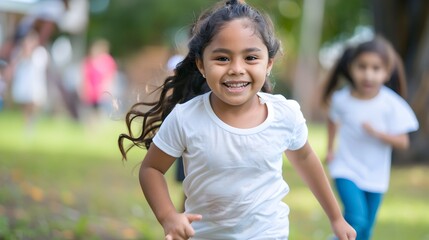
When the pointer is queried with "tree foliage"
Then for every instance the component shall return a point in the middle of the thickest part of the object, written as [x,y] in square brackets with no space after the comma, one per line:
[342,17]
[131,24]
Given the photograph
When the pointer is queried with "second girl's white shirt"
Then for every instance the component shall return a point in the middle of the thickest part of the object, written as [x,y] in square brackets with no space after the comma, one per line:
[360,157]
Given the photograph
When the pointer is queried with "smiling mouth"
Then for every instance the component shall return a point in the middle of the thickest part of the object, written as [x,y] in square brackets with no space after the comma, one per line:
[236,85]
[367,85]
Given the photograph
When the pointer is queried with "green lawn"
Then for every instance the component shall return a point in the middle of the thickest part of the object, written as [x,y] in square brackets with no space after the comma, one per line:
[66,181]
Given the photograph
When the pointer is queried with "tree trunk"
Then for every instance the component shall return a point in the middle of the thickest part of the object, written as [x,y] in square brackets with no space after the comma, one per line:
[406,24]
[305,79]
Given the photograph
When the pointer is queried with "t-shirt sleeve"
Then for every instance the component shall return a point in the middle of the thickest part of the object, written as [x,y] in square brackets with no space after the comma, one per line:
[403,119]
[169,138]
[300,131]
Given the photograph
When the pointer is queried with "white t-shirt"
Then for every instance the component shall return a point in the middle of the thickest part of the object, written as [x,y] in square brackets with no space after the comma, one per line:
[360,157]
[30,81]
[233,175]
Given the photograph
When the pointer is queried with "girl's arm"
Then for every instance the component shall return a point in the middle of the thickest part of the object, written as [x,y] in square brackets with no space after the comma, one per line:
[310,169]
[154,186]
[400,141]
[332,132]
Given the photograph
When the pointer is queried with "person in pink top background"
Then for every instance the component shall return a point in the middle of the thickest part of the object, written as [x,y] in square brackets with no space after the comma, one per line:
[99,69]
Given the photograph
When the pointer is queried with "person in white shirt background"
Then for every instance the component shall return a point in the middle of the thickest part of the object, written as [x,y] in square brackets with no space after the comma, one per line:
[368,117]
[231,136]
[29,85]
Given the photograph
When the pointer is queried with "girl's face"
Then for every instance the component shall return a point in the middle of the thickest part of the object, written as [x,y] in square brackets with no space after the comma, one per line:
[235,64]
[369,73]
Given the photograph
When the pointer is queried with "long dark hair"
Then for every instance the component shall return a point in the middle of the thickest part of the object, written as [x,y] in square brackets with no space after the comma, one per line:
[187,82]
[378,45]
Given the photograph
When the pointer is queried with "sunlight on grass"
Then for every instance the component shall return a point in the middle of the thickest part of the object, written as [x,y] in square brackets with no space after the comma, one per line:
[76,173]
[414,212]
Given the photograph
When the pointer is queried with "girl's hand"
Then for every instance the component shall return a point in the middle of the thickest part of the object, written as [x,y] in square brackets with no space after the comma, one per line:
[177,226]
[369,129]
[343,230]
[398,141]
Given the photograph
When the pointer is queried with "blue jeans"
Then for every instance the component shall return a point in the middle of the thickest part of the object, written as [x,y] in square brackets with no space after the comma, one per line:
[360,207]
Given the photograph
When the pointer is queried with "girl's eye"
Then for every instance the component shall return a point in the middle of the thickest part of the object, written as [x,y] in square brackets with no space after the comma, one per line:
[376,68]
[222,59]
[251,58]
[361,66]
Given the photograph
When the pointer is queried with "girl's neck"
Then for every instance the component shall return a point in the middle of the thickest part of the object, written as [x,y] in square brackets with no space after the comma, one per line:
[248,115]
[364,95]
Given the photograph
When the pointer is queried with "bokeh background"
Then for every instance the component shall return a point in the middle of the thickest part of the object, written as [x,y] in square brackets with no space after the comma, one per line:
[61,173]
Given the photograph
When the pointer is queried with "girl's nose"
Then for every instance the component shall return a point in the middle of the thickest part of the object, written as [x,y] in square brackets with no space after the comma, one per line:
[368,74]
[236,68]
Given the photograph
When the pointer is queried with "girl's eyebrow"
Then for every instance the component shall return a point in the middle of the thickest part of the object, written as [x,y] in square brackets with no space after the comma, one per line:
[224,50]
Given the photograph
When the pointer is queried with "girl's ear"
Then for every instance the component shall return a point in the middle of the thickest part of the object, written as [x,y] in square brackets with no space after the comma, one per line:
[270,65]
[200,66]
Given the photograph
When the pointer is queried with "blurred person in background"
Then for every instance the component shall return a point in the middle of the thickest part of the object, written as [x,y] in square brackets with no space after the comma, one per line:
[29,86]
[371,117]
[41,20]
[48,18]
[99,72]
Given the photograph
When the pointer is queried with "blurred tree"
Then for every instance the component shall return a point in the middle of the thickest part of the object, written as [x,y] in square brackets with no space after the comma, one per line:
[342,17]
[129,25]
[322,21]
[406,24]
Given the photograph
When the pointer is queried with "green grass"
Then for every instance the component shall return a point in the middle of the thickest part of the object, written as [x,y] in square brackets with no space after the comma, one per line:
[66,181]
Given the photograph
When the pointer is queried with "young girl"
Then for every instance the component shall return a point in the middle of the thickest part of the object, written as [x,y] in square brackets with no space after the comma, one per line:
[370,119]
[230,134]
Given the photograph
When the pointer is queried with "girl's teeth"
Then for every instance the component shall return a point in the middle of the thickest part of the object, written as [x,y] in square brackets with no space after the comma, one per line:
[235,85]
